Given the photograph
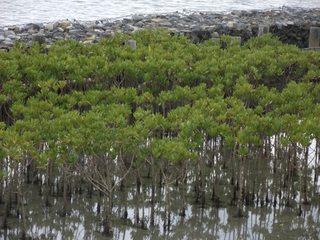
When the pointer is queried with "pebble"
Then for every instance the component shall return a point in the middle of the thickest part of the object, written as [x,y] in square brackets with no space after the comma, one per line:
[198,26]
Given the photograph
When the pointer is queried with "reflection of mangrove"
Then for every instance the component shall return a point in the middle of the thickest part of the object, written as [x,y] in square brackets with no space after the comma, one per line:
[282,181]
[163,210]
[166,122]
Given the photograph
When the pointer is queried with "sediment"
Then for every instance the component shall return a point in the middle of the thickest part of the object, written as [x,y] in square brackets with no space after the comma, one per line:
[289,24]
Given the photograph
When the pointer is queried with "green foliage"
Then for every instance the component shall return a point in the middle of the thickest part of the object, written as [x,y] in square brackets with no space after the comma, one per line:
[160,100]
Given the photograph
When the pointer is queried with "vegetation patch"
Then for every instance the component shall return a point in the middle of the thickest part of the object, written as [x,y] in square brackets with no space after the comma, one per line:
[100,112]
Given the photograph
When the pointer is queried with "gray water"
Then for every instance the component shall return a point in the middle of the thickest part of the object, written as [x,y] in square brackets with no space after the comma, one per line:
[83,222]
[21,12]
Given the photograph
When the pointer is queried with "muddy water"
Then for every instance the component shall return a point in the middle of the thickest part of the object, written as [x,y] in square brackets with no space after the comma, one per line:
[83,221]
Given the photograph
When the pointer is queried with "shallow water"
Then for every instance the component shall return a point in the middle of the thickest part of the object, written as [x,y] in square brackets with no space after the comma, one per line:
[22,12]
[212,222]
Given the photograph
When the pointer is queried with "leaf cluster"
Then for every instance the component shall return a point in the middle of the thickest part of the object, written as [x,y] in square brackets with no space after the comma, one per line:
[161,100]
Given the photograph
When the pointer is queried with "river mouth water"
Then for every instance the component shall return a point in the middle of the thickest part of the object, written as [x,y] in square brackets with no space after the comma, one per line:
[266,215]
[42,11]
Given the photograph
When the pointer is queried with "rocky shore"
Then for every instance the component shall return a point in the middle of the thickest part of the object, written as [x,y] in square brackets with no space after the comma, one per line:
[290,25]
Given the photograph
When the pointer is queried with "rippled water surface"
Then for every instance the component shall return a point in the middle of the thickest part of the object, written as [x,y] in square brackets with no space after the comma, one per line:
[21,12]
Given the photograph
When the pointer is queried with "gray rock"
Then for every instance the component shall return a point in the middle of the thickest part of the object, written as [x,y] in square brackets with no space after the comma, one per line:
[137,18]
[208,22]
[58,35]
[109,24]
[33,26]
[71,28]
[126,21]
[77,26]
[215,35]
[196,26]
[127,28]
[98,32]
[291,14]
[147,19]
[99,25]
[8,41]
[90,33]
[77,33]
[23,34]
[13,37]
[240,26]
[280,25]
[165,24]
[9,33]
[139,24]
[176,14]
[173,20]
[105,35]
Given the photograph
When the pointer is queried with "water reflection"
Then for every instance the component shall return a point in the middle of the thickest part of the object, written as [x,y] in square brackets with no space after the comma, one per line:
[261,221]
